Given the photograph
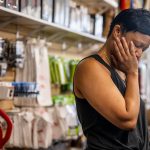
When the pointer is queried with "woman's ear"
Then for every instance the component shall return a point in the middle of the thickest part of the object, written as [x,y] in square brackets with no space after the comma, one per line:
[116,33]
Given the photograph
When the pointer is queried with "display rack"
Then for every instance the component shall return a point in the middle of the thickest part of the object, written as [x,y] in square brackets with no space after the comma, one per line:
[12,20]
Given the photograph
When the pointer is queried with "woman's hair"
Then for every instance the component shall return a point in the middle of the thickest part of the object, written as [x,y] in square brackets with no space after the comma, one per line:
[134,20]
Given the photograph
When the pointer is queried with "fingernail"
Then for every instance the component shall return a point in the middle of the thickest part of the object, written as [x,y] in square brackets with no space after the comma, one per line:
[131,42]
[123,38]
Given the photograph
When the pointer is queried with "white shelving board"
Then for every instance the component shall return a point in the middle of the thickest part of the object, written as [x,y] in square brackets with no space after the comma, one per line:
[10,18]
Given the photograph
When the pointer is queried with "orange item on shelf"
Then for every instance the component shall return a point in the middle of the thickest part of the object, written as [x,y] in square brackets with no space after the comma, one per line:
[125,4]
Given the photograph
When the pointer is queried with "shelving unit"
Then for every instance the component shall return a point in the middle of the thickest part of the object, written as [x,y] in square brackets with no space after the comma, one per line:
[79,44]
[12,20]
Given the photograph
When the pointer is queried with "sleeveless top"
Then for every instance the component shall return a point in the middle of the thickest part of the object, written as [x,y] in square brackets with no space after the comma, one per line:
[102,134]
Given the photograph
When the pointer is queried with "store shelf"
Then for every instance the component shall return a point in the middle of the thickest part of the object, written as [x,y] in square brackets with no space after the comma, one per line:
[98,5]
[11,19]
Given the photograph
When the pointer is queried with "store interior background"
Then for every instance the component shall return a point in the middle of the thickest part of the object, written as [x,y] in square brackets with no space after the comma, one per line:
[41,42]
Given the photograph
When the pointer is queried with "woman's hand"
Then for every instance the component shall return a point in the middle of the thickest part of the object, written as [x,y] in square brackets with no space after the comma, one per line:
[124,57]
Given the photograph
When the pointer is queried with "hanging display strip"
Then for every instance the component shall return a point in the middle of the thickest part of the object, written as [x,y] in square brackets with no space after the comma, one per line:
[36,69]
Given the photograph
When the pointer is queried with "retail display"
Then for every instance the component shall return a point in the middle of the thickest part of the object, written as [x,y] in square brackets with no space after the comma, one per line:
[11,55]
[44,125]
[36,69]
[40,85]
[62,70]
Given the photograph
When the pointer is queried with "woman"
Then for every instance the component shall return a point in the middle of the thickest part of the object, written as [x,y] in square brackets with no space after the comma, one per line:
[106,87]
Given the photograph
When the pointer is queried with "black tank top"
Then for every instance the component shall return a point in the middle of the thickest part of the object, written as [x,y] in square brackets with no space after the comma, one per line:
[102,134]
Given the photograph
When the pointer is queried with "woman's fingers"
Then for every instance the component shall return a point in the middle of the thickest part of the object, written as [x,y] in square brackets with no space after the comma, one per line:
[117,52]
[121,48]
[125,45]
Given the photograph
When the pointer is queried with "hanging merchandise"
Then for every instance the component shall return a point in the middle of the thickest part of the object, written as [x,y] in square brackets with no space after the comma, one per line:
[39,128]
[143,80]
[47,10]
[2,2]
[32,128]
[6,91]
[62,71]
[11,55]
[62,100]
[3,56]
[42,128]
[66,112]
[12,4]
[31,7]
[25,89]
[73,64]
[36,69]
[16,54]
[125,4]
[43,73]
[61,12]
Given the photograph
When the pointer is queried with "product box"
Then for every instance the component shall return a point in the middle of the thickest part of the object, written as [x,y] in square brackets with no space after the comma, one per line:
[2,2]
[31,7]
[12,4]
[98,25]
[75,18]
[61,12]
[47,10]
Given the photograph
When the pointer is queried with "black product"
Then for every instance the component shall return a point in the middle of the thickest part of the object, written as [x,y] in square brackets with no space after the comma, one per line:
[102,134]
[31,7]
[12,4]
[2,2]
[47,10]
[4,44]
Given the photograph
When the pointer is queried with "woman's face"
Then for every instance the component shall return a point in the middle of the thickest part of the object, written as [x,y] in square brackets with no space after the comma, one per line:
[141,42]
